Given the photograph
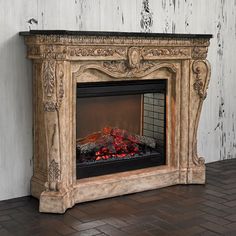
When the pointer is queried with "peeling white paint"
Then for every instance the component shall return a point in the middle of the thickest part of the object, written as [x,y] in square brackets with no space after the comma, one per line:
[216,137]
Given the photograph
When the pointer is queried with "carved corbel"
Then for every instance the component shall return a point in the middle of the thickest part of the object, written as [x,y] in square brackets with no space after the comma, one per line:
[200,77]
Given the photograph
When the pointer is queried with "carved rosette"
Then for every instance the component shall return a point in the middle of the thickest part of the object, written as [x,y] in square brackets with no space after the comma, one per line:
[200,80]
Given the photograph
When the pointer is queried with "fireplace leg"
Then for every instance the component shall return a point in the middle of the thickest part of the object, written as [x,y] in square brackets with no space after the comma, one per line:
[56,201]
[192,175]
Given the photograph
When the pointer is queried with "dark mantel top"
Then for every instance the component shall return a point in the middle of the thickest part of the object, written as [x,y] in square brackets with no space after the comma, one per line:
[110,33]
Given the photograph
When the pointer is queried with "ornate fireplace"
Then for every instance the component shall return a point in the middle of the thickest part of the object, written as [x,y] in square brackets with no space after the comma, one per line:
[114,113]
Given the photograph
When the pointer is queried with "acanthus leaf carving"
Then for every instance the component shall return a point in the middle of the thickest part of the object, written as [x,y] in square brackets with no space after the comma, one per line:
[49,77]
[200,71]
[53,75]
[123,69]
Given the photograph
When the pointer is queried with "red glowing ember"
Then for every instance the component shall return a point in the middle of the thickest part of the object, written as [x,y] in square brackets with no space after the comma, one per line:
[113,143]
[116,143]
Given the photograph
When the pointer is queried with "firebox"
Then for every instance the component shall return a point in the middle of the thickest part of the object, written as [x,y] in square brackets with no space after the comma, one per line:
[120,126]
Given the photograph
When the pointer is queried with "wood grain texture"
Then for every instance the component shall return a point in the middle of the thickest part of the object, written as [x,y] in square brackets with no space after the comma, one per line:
[216,135]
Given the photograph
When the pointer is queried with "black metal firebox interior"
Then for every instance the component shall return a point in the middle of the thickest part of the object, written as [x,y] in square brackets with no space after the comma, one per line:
[120,126]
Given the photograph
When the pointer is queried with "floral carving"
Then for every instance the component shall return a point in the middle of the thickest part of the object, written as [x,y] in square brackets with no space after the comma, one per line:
[115,66]
[49,77]
[97,51]
[199,52]
[170,52]
[124,69]
[102,41]
[60,94]
[54,52]
[52,104]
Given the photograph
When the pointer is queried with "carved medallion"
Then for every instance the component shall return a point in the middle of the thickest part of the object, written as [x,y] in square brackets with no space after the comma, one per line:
[134,57]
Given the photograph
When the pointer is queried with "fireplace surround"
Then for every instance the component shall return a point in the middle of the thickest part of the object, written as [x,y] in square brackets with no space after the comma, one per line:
[71,67]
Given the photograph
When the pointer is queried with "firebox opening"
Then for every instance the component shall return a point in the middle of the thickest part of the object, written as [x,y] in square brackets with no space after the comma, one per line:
[120,126]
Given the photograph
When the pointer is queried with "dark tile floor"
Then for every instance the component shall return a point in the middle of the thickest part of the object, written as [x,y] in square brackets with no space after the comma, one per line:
[178,210]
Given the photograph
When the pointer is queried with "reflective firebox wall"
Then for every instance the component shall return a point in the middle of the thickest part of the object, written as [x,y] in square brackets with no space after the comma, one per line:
[120,126]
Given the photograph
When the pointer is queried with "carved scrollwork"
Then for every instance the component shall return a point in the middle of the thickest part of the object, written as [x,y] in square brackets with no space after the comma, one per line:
[97,51]
[164,52]
[124,69]
[201,76]
[60,51]
[200,71]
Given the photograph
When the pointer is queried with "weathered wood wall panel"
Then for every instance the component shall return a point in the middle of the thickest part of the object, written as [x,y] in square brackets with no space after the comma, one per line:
[217,139]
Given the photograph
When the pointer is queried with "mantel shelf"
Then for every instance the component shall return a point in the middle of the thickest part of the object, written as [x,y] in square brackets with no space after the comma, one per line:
[111,33]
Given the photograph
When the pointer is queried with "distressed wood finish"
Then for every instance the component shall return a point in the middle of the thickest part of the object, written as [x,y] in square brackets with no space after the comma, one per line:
[62,61]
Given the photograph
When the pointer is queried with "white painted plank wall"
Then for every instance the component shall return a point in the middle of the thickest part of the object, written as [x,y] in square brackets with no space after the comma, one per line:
[216,135]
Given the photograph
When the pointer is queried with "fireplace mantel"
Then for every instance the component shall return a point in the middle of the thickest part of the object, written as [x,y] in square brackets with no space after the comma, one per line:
[62,59]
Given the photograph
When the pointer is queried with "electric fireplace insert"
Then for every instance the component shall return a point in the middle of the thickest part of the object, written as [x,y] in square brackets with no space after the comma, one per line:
[120,126]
